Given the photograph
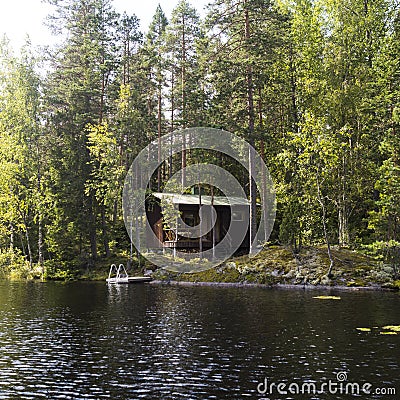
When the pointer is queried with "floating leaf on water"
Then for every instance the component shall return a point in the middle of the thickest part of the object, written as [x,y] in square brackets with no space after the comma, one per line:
[327,297]
[395,328]
[364,329]
[388,333]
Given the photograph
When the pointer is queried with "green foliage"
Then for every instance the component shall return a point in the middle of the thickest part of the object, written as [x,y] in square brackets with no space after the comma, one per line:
[13,264]
[107,172]
[60,271]
[313,84]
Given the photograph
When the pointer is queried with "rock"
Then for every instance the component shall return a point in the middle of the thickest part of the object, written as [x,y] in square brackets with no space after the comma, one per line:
[245,270]
[379,276]
[390,285]
[162,273]
[299,275]
[387,270]
[325,280]
[290,274]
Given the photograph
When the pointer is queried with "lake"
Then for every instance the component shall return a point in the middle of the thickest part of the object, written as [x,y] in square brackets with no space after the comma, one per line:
[91,341]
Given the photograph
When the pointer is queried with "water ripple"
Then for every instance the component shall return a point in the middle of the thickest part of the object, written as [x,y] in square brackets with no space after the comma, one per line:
[87,341]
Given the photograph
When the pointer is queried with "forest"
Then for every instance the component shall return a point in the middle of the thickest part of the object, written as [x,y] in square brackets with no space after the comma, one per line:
[312,84]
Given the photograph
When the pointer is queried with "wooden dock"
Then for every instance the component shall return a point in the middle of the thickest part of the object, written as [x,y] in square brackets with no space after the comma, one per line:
[119,275]
[129,279]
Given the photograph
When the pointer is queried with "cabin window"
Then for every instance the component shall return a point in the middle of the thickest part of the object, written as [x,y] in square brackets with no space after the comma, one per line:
[237,216]
[188,219]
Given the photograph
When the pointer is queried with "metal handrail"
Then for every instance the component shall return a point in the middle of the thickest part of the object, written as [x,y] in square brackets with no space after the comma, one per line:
[124,271]
[120,272]
[111,269]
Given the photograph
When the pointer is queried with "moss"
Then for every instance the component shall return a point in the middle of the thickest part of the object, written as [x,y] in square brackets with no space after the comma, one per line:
[277,264]
[273,265]
[252,278]
[213,275]
[360,271]
[396,284]
[266,279]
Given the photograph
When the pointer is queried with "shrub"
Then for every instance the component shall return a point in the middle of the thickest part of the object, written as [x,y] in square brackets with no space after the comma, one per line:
[13,265]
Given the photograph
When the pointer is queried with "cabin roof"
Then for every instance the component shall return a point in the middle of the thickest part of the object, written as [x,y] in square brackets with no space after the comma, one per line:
[205,199]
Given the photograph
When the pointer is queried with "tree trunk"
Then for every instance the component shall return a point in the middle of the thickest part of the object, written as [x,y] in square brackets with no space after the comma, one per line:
[183,82]
[264,191]
[263,171]
[102,93]
[322,204]
[343,225]
[40,244]
[200,236]
[343,216]
[159,138]
[40,228]
[92,228]
[293,90]
[105,234]
[11,238]
[172,122]
[22,244]
[213,222]
[115,212]
[28,243]
[183,160]
[250,109]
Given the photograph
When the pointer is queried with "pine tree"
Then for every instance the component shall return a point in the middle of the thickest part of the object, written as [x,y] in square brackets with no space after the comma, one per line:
[155,47]
[242,49]
[78,94]
[183,33]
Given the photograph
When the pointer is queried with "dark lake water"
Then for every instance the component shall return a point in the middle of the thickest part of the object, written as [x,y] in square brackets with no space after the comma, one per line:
[90,341]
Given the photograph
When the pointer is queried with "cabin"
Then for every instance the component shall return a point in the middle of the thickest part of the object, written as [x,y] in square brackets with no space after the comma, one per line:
[235,212]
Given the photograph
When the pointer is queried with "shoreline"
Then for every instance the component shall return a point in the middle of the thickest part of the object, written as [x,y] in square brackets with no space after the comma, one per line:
[277,267]
[273,286]
[274,267]
[243,285]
